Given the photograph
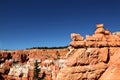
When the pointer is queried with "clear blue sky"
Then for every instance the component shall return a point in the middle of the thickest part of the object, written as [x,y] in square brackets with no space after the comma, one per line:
[33,23]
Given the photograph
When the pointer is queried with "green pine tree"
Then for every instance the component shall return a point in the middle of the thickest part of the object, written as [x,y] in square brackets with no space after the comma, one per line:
[36,70]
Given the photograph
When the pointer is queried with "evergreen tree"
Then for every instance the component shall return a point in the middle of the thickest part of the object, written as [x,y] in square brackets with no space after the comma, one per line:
[36,70]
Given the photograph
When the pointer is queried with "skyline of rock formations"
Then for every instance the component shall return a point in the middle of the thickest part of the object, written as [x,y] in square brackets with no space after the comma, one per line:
[93,58]
[100,38]
[96,57]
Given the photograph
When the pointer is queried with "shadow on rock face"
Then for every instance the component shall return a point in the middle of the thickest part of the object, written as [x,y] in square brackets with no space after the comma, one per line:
[1,77]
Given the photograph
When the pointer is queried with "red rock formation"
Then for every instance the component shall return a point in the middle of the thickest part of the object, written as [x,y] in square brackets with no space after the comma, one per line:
[113,71]
[96,57]
[93,58]
[20,64]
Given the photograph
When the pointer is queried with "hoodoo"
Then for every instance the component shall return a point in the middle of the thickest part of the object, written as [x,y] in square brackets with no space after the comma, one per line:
[95,58]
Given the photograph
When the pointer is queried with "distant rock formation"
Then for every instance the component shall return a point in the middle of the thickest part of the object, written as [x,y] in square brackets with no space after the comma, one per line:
[95,58]
[31,64]
[116,33]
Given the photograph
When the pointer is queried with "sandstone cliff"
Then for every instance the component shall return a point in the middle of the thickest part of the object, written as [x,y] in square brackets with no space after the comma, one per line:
[95,58]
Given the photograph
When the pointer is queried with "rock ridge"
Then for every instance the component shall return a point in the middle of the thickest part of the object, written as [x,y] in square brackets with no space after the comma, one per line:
[92,58]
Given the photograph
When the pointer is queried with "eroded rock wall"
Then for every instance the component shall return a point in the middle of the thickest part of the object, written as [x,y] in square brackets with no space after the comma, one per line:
[93,58]
[20,64]
[96,57]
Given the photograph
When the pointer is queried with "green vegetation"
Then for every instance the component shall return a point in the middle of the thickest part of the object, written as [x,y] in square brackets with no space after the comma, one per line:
[36,70]
[61,47]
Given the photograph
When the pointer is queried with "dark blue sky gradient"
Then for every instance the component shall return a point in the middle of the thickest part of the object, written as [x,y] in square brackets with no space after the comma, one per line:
[33,23]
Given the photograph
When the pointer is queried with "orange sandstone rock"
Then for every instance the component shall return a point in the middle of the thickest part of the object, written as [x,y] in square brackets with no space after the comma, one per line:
[90,60]
[76,37]
[113,71]
[77,44]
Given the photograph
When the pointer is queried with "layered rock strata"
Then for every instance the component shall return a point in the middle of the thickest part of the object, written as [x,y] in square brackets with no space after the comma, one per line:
[96,57]
[22,64]
[93,58]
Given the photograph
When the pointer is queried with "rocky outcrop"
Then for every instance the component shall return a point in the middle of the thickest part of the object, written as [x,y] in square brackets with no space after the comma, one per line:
[96,57]
[116,33]
[31,64]
[113,71]
[93,58]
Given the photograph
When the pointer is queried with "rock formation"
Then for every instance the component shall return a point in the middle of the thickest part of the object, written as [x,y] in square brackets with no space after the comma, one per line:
[95,58]
[31,64]
[116,33]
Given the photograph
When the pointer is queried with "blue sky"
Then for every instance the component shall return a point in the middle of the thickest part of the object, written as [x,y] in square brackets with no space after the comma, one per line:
[33,23]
